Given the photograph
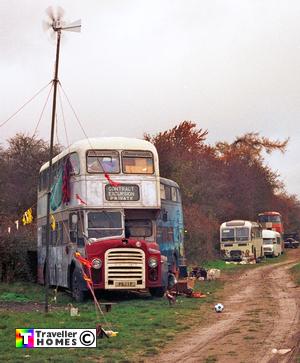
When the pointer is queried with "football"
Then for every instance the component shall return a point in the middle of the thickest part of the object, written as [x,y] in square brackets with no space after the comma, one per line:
[219,308]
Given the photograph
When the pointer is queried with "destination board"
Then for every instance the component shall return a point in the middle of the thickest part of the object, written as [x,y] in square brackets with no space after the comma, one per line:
[123,192]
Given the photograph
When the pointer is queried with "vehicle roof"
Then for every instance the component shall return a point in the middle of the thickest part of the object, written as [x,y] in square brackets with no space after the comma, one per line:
[269,213]
[105,143]
[267,233]
[169,182]
[239,223]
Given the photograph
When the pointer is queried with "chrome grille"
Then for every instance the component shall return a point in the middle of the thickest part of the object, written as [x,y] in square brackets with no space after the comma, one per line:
[124,268]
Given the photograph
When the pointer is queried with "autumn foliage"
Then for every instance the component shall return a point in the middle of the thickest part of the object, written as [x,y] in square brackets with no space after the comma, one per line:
[218,183]
[221,182]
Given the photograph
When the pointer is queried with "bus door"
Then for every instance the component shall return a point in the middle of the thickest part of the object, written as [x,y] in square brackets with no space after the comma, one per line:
[72,240]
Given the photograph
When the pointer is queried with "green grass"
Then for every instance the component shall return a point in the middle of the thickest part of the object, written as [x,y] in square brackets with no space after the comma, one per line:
[223,266]
[144,324]
[295,271]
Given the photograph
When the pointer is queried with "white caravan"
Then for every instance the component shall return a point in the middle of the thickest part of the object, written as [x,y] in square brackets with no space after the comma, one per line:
[272,245]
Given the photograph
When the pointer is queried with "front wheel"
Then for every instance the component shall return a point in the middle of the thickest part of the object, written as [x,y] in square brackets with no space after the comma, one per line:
[78,293]
[157,291]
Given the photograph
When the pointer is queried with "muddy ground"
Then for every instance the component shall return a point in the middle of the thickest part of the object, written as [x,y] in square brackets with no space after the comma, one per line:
[261,314]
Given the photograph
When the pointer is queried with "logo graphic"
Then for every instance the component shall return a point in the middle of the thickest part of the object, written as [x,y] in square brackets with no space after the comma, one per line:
[87,338]
[24,338]
[56,338]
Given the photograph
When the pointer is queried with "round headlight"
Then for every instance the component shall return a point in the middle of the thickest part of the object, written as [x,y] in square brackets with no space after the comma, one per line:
[96,263]
[152,262]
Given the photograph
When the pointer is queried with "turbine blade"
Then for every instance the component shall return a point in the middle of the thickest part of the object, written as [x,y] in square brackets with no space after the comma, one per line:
[75,26]
[50,13]
[60,12]
[46,25]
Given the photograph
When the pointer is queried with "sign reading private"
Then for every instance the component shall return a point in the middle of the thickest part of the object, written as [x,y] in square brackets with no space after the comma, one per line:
[123,192]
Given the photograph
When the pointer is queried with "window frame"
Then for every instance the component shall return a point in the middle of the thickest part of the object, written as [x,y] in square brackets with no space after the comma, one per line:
[137,151]
[102,172]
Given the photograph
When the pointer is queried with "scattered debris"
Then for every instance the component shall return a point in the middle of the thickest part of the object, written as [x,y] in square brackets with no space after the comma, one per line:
[213,274]
[73,311]
[281,351]
[198,294]
[171,298]
[199,272]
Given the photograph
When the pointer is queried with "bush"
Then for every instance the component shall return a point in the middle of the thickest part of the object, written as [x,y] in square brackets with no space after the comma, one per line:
[17,258]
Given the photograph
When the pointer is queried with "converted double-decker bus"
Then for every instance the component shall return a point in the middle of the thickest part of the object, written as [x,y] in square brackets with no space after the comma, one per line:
[105,204]
[271,221]
[170,228]
[240,240]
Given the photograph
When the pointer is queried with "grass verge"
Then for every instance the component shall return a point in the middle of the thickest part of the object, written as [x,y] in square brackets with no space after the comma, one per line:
[144,324]
[295,271]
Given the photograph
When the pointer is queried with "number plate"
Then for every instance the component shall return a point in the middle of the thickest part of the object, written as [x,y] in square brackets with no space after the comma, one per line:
[125,283]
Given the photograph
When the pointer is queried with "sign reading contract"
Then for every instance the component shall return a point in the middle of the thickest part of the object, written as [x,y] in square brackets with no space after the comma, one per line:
[123,192]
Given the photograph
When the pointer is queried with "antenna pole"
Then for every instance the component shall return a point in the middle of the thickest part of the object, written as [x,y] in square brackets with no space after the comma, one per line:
[55,83]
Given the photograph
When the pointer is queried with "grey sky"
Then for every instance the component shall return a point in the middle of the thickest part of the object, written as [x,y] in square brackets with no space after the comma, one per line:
[143,66]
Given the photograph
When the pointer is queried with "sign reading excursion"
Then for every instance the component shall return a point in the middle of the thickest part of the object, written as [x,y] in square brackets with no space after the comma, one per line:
[123,192]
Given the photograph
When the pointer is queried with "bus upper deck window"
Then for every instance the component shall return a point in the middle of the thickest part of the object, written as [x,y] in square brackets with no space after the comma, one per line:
[162,191]
[74,160]
[174,194]
[168,192]
[137,162]
[103,161]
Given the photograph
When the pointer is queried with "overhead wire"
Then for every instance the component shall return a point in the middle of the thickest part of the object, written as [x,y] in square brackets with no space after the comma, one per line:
[43,109]
[25,104]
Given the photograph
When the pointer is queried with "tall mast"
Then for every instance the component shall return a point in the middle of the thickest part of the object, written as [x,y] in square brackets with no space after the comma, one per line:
[56,25]
[55,83]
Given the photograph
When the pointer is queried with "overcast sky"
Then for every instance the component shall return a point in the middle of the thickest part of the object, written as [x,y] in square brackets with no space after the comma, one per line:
[231,66]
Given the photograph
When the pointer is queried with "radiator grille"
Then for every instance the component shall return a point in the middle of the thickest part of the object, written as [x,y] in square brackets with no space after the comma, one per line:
[124,268]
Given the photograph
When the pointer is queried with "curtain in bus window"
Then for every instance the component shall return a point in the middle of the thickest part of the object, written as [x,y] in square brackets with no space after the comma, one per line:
[68,169]
[137,162]
[101,161]
[56,193]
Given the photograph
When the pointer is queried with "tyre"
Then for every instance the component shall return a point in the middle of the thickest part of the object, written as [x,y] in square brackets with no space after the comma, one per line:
[78,293]
[157,291]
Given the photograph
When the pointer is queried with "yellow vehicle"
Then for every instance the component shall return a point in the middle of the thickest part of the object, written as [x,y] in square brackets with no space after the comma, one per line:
[241,240]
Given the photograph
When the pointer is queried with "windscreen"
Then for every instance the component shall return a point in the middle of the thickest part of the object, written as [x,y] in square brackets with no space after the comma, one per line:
[242,234]
[138,228]
[268,218]
[268,241]
[104,224]
[227,234]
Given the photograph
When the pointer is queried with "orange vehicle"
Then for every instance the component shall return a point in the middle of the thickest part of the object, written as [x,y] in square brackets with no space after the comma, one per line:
[271,221]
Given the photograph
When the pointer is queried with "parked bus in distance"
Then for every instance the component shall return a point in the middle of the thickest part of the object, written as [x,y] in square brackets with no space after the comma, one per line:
[272,243]
[271,221]
[105,203]
[170,229]
[241,240]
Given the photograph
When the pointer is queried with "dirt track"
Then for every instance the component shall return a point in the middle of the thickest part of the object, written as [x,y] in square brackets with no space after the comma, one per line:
[261,313]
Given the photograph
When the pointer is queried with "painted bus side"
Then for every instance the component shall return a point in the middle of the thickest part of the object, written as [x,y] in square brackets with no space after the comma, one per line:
[111,219]
[170,227]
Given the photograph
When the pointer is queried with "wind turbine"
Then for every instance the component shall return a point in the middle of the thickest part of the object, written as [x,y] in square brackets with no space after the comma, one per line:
[55,25]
